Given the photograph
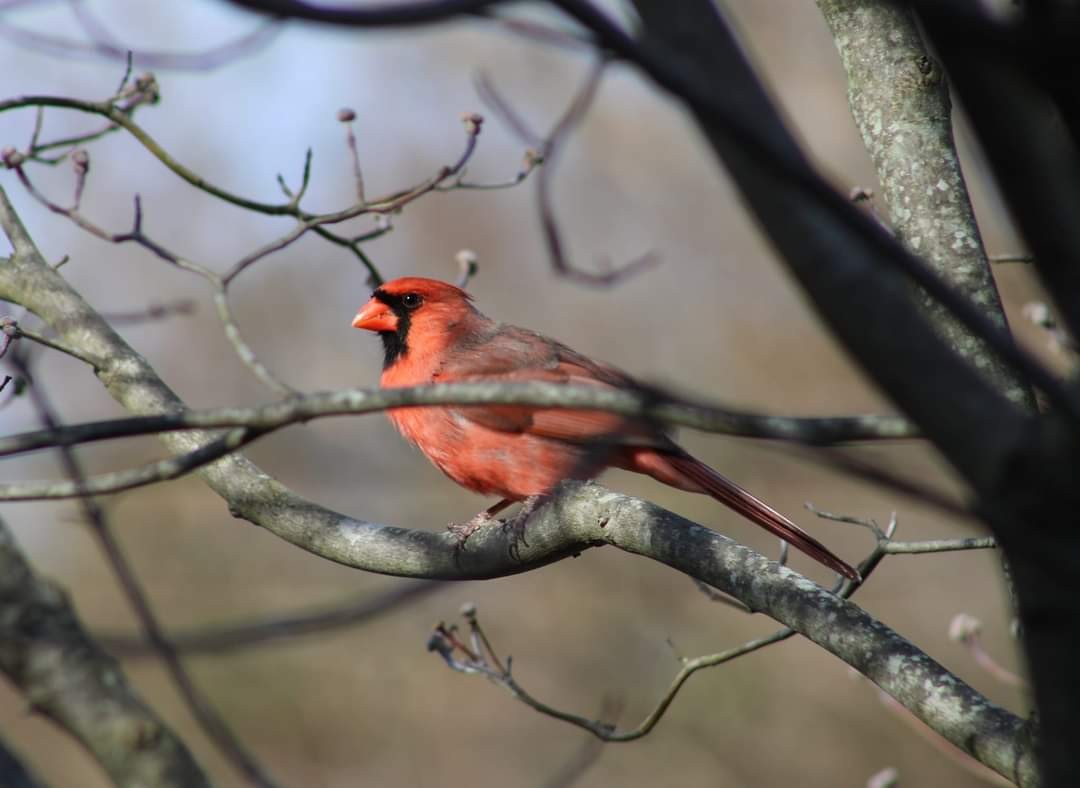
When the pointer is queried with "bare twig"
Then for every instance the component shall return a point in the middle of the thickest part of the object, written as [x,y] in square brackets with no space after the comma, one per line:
[445,642]
[243,350]
[103,45]
[546,34]
[479,657]
[214,726]
[120,481]
[547,151]
[120,116]
[228,638]
[10,330]
[136,235]
[666,410]
[877,474]
[491,97]
[151,313]
[886,545]
[347,116]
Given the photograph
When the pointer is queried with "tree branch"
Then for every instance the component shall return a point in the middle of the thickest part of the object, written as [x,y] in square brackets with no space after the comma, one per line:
[900,102]
[580,517]
[228,638]
[119,481]
[66,676]
[648,406]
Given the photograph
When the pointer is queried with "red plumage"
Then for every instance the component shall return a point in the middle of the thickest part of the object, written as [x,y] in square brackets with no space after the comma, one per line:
[432,333]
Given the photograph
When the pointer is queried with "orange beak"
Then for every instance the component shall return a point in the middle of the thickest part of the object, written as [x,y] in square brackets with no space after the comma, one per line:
[376,316]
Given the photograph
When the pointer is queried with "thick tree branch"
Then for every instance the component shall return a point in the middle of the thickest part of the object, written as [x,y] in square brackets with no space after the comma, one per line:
[582,516]
[45,652]
[901,106]
[478,656]
[1035,154]
[211,722]
[868,306]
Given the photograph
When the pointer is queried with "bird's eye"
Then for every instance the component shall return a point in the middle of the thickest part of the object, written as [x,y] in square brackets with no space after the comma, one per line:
[411,300]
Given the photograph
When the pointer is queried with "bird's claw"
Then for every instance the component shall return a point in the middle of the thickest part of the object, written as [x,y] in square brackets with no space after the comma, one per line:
[462,531]
[515,526]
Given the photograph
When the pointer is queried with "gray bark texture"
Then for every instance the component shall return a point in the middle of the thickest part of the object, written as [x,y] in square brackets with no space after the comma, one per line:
[65,675]
[900,102]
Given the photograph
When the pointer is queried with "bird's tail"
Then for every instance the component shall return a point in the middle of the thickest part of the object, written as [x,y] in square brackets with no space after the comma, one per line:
[677,469]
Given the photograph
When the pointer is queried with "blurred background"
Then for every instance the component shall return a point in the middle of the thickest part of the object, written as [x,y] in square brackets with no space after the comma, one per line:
[718,318]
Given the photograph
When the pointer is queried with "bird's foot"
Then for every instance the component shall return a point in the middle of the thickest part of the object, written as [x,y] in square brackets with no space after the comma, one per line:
[462,531]
[515,525]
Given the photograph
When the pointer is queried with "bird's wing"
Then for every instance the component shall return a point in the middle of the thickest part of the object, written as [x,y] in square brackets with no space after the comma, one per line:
[514,355]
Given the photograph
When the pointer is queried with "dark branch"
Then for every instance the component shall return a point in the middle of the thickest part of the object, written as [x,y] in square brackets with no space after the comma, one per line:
[229,638]
[65,675]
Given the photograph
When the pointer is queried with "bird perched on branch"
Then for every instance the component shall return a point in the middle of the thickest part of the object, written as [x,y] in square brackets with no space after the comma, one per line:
[432,333]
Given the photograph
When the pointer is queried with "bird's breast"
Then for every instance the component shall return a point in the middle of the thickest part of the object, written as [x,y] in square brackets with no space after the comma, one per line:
[511,465]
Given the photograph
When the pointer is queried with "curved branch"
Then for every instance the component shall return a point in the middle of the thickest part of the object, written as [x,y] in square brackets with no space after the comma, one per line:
[384,204]
[582,516]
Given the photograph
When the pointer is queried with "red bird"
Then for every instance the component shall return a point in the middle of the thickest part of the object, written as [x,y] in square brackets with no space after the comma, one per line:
[432,333]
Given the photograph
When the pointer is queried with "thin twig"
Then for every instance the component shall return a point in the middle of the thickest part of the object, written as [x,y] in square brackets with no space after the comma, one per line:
[243,350]
[234,637]
[475,660]
[346,116]
[152,313]
[670,411]
[213,725]
[121,481]
[10,330]
[108,48]
[547,149]
[444,641]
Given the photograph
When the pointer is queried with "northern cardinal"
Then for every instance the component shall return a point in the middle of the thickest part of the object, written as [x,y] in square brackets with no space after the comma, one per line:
[432,333]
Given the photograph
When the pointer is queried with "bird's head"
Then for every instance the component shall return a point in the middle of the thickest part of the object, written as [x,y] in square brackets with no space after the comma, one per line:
[413,312]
